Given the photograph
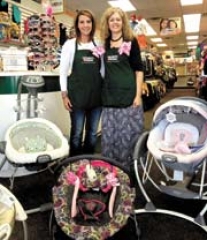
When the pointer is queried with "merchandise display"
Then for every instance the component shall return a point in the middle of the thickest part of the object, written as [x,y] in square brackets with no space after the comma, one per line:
[9,30]
[176,146]
[43,42]
[160,191]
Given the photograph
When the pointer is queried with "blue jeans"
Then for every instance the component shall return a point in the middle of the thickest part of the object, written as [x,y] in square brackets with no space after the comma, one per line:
[80,119]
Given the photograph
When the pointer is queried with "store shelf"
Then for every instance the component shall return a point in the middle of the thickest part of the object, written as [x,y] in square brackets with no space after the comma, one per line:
[7,43]
[31,72]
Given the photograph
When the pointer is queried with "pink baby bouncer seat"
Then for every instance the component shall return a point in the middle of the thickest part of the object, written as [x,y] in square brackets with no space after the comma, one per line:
[179,133]
[172,155]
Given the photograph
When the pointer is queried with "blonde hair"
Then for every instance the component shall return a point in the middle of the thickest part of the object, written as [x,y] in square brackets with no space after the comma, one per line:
[126,30]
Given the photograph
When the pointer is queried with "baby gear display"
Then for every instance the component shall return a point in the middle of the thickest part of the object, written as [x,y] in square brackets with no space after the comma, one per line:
[35,140]
[32,83]
[172,156]
[93,198]
[10,211]
[31,143]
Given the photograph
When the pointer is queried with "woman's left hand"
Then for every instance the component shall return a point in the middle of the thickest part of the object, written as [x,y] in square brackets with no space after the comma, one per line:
[137,101]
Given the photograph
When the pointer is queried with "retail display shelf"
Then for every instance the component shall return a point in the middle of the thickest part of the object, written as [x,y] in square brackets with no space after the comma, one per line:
[32,72]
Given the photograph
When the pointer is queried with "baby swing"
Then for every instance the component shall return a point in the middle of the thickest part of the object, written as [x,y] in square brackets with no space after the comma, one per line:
[10,211]
[93,199]
[31,143]
[172,156]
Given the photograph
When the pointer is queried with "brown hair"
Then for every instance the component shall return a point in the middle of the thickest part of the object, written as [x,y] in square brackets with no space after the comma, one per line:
[89,14]
[105,32]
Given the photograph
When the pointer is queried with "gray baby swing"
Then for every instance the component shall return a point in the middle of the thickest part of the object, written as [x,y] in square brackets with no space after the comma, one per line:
[31,143]
[172,157]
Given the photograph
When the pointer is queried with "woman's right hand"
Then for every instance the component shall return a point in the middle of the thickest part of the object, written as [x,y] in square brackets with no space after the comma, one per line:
[67,104]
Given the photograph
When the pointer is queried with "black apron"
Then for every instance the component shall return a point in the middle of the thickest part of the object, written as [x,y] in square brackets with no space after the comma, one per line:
[119,87]
[84,84]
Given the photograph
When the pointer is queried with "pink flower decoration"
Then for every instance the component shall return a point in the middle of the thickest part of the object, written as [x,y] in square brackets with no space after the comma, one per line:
[111,179]
[49,11]
[71,178]
[98,51]
[125,48]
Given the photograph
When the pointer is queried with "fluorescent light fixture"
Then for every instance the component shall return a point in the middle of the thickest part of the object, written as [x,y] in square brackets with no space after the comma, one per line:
[192,47]
[156,39]
[161,45]
[190,2]
[192,43]
[125,5]
[149,30]
[192,22]
[168,52]
[192,37]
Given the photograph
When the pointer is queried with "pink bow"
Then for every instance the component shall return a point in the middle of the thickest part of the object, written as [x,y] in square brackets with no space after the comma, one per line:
[98,51]
[49,11]
[71,178]
[111,179]
[125,48]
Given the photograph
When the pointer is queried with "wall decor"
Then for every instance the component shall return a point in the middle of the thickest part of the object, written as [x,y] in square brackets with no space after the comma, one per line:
[57,6]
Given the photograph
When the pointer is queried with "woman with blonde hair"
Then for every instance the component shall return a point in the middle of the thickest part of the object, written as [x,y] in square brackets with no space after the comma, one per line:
[122,115]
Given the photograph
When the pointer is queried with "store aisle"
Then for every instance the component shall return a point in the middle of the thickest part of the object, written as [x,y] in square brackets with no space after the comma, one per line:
[36,189]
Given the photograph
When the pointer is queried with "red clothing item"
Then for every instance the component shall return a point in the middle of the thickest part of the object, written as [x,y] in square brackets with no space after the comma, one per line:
[142,41]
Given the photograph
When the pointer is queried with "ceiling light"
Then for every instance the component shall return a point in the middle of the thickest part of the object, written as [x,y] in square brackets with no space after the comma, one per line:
[190,2]
[192,22]
[192,37]
[168,52]
[149,30]
[125,5]
[161,45]
[156,39]
[192,43]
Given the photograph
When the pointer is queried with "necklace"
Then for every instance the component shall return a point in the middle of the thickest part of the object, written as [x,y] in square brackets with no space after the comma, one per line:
[116,40]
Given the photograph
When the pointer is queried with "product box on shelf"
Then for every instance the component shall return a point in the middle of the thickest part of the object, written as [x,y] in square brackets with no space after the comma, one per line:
[14,59]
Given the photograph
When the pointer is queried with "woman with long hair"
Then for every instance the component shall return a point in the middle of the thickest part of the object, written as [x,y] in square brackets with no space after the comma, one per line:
[80,82]
[122,115]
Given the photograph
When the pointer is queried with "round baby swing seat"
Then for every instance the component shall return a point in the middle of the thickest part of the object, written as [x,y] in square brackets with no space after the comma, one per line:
[93,198]
[172,156]
[179,133]
[35,140]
